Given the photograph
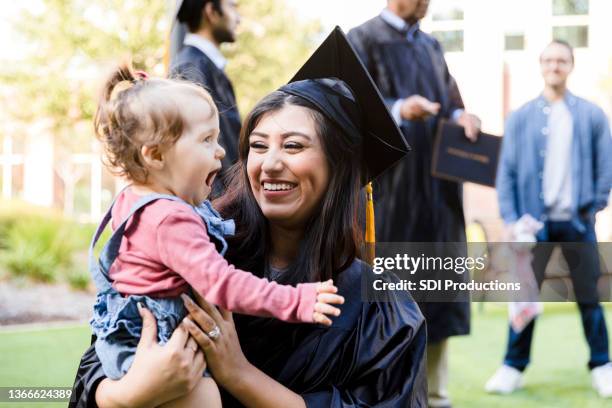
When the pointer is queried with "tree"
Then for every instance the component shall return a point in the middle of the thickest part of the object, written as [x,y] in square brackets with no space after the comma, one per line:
[73,43]
[272,44]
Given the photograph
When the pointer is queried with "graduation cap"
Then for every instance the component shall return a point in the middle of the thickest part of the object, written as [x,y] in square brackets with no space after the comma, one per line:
[337,83]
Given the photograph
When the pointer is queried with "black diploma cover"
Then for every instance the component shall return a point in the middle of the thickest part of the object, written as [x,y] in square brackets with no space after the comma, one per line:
[456,158]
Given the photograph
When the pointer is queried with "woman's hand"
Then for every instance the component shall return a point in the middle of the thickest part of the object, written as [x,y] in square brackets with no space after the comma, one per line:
[223,354]
[159,373]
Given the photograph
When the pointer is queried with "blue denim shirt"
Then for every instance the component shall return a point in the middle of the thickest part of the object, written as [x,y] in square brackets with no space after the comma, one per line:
[521,167]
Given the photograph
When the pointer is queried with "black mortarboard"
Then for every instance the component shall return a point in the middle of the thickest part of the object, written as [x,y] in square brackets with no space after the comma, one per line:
[336,82]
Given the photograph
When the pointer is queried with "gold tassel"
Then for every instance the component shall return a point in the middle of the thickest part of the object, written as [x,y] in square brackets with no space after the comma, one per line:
[370,230]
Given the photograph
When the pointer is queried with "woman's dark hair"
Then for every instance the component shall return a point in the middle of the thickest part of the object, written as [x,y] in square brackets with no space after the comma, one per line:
[190,12]
[332,238]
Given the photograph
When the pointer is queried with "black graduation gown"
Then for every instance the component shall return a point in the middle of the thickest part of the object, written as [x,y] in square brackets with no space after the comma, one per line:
[372,356]
[193,65]
[411,205]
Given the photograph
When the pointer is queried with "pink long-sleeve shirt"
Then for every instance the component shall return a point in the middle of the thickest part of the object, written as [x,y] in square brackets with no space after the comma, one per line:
[166,249]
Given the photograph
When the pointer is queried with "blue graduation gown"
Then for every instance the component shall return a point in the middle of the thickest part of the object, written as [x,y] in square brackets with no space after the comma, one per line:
[411,205]
[372,356]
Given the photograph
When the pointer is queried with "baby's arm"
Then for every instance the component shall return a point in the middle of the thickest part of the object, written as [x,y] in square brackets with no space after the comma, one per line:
[184,247]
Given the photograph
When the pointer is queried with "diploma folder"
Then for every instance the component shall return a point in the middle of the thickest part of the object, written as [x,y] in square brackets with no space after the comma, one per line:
[458,159]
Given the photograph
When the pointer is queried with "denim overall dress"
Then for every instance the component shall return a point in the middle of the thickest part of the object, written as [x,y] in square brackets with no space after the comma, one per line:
[116,321]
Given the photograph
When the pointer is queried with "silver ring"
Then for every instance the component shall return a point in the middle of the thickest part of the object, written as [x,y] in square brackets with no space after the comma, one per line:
[214,333]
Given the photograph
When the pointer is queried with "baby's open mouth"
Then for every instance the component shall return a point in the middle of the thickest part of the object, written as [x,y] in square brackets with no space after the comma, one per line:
[283,186]
[211,177]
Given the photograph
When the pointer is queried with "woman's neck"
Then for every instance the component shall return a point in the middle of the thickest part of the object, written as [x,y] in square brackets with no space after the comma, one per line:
[285,245]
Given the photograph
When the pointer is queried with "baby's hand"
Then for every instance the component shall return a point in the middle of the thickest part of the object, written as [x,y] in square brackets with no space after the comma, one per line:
[325,298]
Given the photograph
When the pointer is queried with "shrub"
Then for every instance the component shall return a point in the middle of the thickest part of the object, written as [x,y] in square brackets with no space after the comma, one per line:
[78,278]
[43,245]
[30,260]
[11,212]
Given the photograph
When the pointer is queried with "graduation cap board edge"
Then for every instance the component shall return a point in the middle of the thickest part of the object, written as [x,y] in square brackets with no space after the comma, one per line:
[383,142]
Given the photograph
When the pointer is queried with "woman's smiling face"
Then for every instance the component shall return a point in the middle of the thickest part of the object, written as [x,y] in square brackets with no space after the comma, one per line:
[286,165]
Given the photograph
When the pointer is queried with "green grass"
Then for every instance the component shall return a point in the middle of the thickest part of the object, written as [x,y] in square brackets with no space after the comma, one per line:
[557,377]
[41,358]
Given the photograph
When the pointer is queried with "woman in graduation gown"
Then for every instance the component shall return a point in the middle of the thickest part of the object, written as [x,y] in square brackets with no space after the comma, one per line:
[309,136]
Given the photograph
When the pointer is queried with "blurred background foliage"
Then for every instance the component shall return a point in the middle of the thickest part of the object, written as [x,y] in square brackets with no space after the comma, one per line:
[42,245]
[71,45]
[272,44]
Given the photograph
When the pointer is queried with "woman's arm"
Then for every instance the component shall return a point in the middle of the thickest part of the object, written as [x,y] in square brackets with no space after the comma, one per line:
[380,362]
[158,374]
[253,388]
[229,366]
[118,394]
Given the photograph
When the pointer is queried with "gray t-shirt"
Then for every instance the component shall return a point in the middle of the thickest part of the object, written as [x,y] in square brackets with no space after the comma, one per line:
[557,179]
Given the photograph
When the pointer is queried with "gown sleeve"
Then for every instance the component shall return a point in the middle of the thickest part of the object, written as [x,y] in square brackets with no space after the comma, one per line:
[372,356]
[386,367]
[451,86]
[89,375]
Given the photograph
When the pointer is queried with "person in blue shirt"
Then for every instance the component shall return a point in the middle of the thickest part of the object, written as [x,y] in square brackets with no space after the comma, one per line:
[555,166]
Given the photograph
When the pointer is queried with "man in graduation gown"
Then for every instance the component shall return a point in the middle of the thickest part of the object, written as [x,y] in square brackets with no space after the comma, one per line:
[209,24]
[409,69]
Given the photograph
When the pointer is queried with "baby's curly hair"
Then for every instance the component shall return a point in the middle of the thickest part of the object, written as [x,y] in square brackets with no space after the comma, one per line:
[136,111]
